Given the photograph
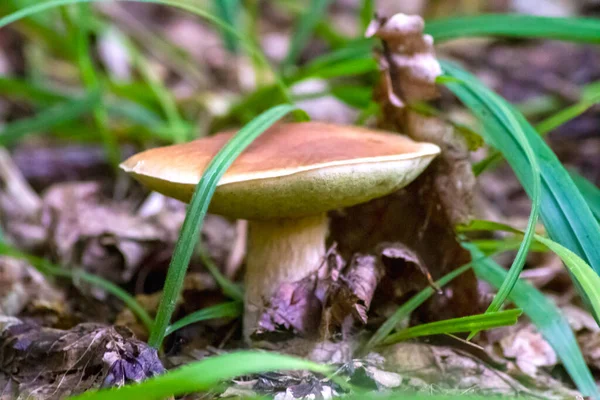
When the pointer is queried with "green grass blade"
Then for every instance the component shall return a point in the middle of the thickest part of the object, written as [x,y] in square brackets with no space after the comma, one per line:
[182,4]
[132,111]
[407,308]
[585,276]
[203,375]
[49,269]
[80,31]
[516,25]
[500,119]
[587,280]
[226,310]
[547,318]
[228,287]
[301,35]
[197,211]
[590,192]
[61,113]
[477,322]
[228,11]
[547,125]
[565,213]
[367,13]
[177,126]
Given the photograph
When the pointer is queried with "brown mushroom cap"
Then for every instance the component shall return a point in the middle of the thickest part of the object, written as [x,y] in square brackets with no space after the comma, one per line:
[292,170]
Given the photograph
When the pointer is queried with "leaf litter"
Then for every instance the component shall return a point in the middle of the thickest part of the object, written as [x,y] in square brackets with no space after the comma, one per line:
[382,253]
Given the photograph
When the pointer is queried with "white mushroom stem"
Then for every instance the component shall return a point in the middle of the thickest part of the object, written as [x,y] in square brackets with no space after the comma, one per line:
[280,251]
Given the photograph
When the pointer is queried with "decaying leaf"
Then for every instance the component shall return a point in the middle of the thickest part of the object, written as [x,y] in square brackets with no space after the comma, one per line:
[369,373]
[350,295]
[422,215]
[294,309]
[529,349]
[85,230]
[22,286]
[404,269]
[449,370]
[409,65]
[45,363]
[328,306]
[293,386]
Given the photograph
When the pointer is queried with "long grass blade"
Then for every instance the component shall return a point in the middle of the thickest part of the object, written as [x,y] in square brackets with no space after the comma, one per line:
[589,191]
[304,29]
[547,125]
[500,119]
[228,287]
[228,11]
[197,210]
[547,318]
[585,278]
[226,310]
[407,308]
[565,213]
[51,117]
[516,25]
[50,269]
[79,29]
[182,4]
[584,275]
[203,375]
[477,322]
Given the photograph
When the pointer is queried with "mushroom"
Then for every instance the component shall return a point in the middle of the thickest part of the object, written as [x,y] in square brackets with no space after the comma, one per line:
[284,183]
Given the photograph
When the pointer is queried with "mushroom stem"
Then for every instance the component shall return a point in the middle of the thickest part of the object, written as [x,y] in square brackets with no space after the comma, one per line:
[280,251]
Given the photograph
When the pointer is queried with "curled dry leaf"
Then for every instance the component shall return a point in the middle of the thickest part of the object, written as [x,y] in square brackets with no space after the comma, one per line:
[49,363]
[409,69]
[422,215]
[328,306]
[293,310]
[350,295]
[404,269]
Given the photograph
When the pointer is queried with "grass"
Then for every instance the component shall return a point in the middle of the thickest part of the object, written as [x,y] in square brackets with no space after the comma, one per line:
[567,204]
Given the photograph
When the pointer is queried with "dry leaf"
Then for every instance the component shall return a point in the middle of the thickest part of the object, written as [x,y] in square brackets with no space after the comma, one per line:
[49,363]
[529,349]
[422,215]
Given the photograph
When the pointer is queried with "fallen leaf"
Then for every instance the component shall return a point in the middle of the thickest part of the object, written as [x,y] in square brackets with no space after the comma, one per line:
[45,363]
[422,215]
[529,349]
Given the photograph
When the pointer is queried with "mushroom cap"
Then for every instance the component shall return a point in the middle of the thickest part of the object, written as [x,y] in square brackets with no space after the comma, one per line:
[292,170]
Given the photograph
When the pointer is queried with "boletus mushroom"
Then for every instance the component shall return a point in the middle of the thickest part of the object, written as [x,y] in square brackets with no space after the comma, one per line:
[283,184]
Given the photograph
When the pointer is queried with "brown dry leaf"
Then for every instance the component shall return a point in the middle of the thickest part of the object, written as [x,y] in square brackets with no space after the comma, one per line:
[422,215]
[586,331]
[449,370]
[45,363]
[350,295]
[293,310]
[23,286]
[405,272]
[369,373]
[85,229]
[529,349]
[409,69]
[19,205]
[293,386]
[328,306]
